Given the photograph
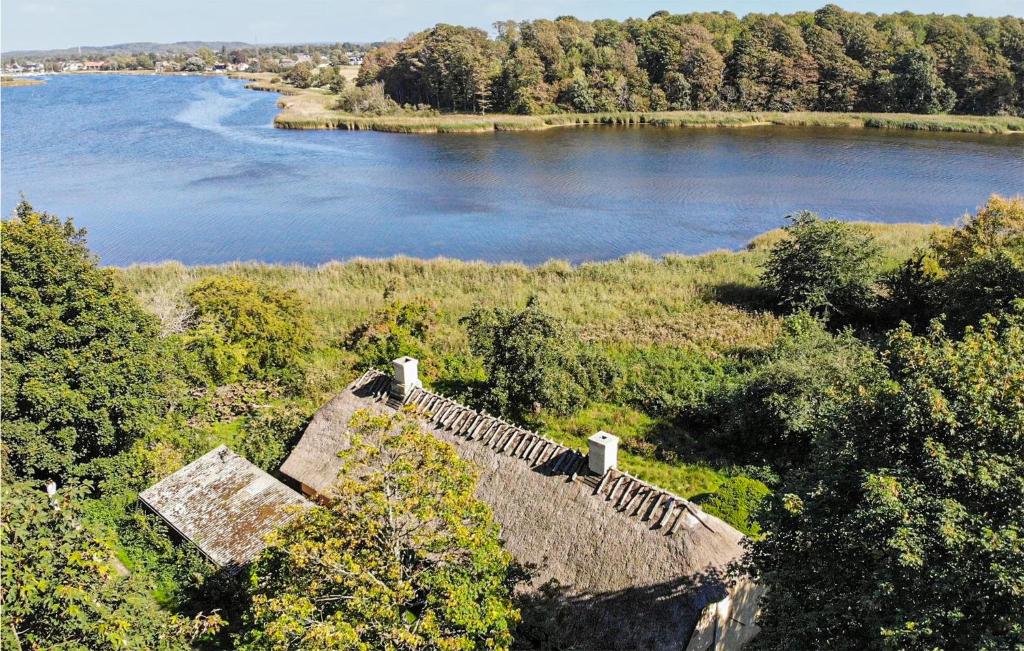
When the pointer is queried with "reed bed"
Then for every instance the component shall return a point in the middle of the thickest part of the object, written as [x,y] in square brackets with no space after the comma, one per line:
[462,123]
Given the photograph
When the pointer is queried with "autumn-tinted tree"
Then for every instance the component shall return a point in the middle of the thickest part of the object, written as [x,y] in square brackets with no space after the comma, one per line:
[904,529]
[79,353]
[245,329]
[402,556]
[973,269]
[822,265]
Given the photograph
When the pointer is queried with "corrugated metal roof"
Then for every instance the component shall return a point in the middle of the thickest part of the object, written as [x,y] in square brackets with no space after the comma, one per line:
[224,505]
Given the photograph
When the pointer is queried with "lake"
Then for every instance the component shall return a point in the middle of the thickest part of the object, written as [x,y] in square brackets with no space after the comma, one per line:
[190,169]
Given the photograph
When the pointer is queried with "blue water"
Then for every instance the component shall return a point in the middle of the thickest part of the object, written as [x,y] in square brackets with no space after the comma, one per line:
[190,168]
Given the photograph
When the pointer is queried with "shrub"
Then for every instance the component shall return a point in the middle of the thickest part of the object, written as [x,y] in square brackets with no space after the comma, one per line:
[400,328]
[247,330]
[270,434]
[367,100]
[532,361]
[824,266]
[737,500]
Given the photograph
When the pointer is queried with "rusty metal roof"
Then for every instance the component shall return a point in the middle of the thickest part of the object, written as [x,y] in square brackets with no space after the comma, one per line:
[223,505]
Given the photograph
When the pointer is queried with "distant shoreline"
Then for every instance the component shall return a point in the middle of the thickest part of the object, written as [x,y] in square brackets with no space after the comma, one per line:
[311,109]
[15,82]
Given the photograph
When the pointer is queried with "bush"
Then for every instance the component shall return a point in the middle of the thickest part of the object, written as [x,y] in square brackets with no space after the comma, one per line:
[533,362]
[974,269]
[400,328]
[770,413]
[737,500]
[367,100]
[247,330]
[823,266]
[270,434]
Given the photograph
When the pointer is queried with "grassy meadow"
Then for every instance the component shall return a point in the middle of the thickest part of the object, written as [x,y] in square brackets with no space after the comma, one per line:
[707,305]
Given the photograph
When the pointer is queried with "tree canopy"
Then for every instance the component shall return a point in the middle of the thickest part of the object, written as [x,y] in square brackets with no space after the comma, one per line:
[828,60]
[61,589]
[80,364]
[402,556]
[824,266]
[904,527]
[532,361]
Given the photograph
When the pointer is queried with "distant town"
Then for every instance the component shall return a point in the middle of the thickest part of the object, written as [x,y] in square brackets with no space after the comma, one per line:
[165,59]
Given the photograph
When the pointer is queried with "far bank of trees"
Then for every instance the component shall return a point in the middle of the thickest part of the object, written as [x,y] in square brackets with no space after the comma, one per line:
[827,60]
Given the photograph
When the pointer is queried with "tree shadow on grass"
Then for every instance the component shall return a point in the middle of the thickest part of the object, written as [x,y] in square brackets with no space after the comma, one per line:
[741,295]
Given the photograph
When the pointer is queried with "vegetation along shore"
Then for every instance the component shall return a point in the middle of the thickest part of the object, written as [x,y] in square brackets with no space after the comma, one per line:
[828,68]
[813,391]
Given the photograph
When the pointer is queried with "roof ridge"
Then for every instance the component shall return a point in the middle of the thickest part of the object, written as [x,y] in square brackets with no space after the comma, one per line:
[667,512]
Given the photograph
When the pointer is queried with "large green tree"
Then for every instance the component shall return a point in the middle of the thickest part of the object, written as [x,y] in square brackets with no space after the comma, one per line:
[402,556]
[904,530]
[80,361]
[245,329]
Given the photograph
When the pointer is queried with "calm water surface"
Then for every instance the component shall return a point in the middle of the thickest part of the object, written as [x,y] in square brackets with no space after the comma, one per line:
[190,168]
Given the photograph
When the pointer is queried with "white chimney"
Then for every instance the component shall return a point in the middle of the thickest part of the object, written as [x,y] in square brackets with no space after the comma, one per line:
[604,452]
[406,376]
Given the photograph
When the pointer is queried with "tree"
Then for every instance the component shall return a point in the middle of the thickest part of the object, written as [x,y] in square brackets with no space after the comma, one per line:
[80,362]
[771,413]
[60,586]
[904,528]
[822,265]
[402,556]
[532,362]
[400,328]
[968,271]
[245,329]
[300,75]
[916,86]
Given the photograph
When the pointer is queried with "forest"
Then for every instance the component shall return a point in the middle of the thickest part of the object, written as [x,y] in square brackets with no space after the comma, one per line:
[827,60]
[851,396]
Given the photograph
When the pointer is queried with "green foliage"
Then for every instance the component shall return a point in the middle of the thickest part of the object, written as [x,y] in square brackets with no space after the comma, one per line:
[402,556]
[79,354]
[670,381]
[268,436]
[770,414]
[532,361]
[247,330]
[737,501]
[972,270]
[399,328]
[301,75]
[824,266]
[904,529]
[61,589]
[829,60]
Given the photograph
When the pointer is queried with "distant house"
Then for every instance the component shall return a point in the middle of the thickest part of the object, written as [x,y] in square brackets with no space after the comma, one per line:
[303,58]
[93,65]
[220,66]
[223,505]
[72,66]
[637,566]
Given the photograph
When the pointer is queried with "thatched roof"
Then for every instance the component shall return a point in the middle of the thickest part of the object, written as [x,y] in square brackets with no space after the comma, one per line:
[224,505]
[635,564]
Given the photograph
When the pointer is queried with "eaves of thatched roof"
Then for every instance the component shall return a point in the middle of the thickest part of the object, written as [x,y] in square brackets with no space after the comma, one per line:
[635,564]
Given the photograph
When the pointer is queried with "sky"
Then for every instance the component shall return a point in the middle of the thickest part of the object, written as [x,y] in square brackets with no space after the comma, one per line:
[46,24]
